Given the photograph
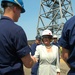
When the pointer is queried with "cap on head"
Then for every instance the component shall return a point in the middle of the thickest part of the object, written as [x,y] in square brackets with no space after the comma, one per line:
[47,32]
[17,2]
[38,37]
[55,36]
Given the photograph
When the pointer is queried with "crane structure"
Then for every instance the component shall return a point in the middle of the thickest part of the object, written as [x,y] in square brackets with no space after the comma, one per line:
[53,14]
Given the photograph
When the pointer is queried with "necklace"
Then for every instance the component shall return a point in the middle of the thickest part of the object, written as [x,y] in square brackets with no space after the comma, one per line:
[48,47]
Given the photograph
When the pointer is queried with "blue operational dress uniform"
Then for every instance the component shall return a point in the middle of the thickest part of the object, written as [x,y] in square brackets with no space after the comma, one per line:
[57,44]
[35,67]
[67,41]
[13,46]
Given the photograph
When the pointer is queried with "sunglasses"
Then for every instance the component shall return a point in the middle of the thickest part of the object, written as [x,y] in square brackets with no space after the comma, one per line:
[54,38]
[47,36]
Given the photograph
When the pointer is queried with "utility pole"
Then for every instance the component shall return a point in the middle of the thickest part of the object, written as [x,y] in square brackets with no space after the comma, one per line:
[53,14]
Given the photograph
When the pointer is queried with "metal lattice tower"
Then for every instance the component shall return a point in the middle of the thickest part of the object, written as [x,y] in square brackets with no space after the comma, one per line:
[53,14]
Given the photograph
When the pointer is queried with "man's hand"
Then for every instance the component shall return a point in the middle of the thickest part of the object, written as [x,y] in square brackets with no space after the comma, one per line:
[29,61]
[65,55]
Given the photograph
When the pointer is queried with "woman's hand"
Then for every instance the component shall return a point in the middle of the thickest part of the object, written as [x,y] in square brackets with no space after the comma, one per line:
[34,59]
[58,73]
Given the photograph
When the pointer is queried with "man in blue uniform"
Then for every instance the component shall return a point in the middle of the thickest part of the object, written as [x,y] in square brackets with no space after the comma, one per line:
[14,49]
[33,49]
[67,41]
[55,40]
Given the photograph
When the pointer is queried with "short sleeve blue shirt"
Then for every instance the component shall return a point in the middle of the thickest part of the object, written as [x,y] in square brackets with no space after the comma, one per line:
[13,46]
[67,40]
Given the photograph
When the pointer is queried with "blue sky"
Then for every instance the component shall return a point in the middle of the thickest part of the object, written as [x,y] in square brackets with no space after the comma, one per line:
[28,20]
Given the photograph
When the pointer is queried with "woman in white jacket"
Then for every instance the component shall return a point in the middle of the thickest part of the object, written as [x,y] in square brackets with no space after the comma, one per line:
[47,55]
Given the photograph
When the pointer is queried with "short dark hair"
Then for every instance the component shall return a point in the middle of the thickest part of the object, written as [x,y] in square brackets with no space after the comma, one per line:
[8,4]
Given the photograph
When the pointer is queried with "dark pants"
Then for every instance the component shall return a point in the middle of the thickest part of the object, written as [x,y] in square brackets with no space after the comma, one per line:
[71,71]
[34,69]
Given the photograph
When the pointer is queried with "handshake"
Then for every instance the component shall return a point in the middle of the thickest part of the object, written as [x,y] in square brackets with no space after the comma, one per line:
[34,60]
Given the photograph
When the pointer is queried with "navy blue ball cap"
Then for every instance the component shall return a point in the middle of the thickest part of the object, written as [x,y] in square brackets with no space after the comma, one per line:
[38,37]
